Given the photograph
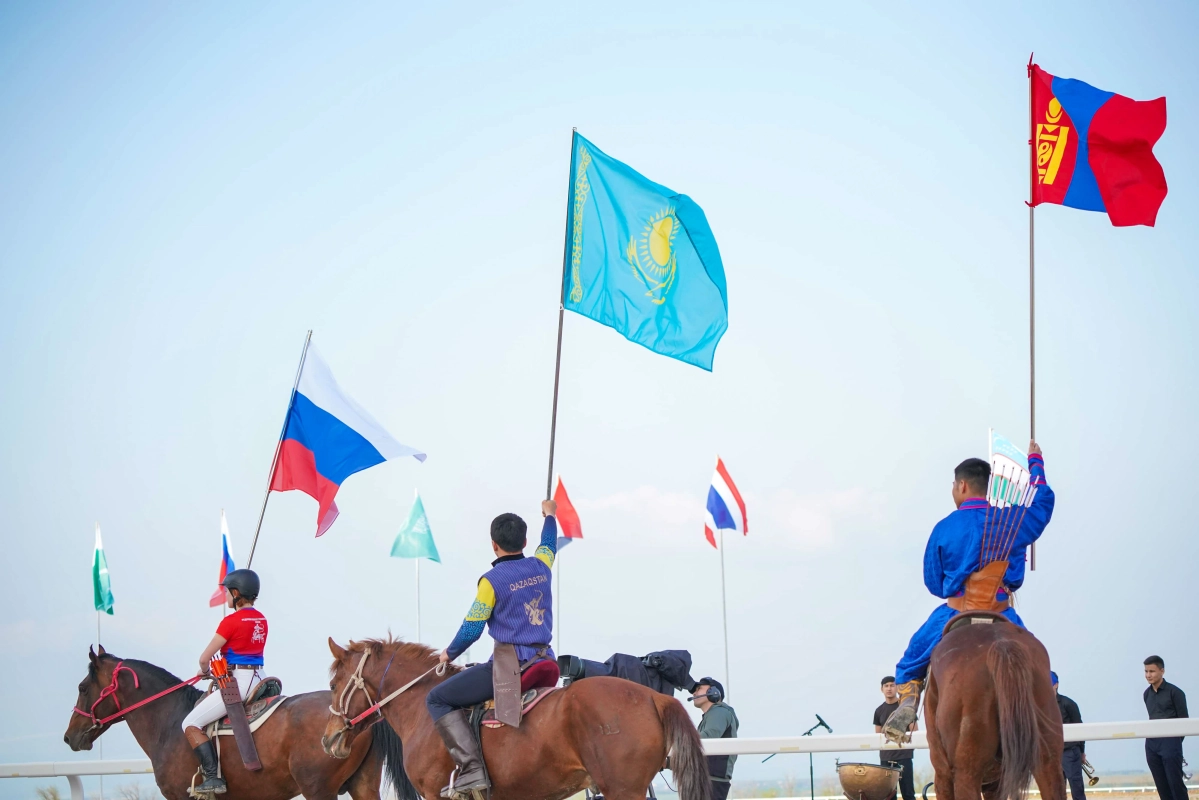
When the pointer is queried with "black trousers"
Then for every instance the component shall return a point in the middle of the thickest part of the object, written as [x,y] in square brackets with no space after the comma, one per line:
[720,789]
[467,688]
[1072,769]
[1165,762]
[907,778]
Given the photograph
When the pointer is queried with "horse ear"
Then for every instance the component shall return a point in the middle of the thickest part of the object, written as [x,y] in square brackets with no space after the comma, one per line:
[337,650]
[103,652]
[91,654]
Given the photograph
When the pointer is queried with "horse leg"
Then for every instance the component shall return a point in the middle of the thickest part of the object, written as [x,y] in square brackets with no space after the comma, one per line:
[1048,775]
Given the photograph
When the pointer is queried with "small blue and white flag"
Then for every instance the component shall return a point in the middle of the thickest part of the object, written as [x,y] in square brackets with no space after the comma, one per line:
[726,509]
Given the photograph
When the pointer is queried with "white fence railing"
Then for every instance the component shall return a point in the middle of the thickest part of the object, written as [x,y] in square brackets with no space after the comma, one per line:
[833,743]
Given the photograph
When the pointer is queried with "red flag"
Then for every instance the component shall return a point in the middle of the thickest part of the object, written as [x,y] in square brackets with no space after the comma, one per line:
[568,518]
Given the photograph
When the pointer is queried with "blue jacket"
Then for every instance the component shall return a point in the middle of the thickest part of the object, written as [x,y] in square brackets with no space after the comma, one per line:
[955,545]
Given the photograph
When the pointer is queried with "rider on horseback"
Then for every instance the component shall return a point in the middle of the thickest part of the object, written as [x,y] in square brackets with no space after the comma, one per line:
[241,638]
[514,601]
[952,564]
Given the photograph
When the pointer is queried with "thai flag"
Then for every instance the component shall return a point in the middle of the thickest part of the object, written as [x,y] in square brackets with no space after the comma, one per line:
[328,437]
[726,509]
[218,597]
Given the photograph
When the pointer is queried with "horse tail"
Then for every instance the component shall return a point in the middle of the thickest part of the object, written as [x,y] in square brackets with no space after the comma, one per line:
[686,752]
[387,746]
[1012,673]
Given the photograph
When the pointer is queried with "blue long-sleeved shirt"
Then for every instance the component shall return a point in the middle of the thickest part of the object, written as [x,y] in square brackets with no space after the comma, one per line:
[954,548]
[484,603]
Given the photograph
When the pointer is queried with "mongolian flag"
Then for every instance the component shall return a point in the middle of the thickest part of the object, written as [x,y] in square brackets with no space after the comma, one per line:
[218,597]
[1094,149]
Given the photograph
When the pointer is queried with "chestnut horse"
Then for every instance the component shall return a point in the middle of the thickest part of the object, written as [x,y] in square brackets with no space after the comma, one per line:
[288,743]
[992,717]
[605,734]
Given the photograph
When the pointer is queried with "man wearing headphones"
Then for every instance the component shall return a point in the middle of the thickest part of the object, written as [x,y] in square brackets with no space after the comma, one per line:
[719,722]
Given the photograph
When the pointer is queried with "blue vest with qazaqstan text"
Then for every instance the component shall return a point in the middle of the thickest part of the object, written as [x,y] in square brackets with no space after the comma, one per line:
[523,612]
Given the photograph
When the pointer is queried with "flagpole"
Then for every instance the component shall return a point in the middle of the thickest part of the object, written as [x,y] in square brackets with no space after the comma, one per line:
[1032,285]
[278,445]
[100,738]
[549,478]
[724,612]
[417,560]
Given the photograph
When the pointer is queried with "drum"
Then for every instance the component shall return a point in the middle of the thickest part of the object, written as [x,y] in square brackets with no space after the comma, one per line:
[868,781]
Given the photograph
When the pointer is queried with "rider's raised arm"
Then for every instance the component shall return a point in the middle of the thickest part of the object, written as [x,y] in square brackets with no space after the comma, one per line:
[1041,509]
[476,620]
[547,551]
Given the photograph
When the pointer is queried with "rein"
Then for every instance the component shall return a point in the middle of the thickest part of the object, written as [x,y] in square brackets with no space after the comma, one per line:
[111,691]
[358,683]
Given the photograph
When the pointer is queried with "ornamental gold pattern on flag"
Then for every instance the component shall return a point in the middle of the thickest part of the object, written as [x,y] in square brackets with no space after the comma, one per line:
[1052,138]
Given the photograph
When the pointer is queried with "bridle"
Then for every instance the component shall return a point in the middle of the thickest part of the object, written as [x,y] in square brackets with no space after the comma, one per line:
[357,683]
[111,691]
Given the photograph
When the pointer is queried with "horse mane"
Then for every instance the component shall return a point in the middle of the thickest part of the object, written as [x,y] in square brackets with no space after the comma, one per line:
[397,648]
[153,679]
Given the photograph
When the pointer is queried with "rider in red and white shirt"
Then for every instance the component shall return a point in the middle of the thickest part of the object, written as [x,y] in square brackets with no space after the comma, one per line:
[241,639]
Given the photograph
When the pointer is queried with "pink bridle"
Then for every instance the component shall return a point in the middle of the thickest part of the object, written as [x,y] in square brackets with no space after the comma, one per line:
[111,691]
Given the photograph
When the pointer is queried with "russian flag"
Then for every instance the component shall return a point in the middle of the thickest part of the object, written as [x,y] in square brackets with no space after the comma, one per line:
[218,597]
[328,437]
[726,509]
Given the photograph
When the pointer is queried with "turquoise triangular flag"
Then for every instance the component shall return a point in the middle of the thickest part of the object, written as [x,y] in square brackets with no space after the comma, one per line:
[415,539]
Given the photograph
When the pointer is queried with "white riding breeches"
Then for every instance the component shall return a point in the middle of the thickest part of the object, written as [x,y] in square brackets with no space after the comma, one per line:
[212,707]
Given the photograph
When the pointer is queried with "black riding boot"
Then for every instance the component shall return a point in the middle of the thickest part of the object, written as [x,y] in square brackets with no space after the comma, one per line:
[213,783]
[460,740]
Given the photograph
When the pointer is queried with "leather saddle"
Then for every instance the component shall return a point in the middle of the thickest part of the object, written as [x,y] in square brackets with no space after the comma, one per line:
[974,618]
[539,680]
[262,701]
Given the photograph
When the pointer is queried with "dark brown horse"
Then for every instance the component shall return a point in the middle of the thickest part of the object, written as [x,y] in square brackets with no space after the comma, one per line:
[993,721]
[288,743]
[602,733]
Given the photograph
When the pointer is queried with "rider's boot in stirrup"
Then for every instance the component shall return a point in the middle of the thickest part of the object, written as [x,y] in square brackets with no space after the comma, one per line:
[470,777]
[206,755]
[897,725]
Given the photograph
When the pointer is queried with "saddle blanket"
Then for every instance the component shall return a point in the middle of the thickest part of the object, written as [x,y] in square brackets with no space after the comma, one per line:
[257,712]
[528,702]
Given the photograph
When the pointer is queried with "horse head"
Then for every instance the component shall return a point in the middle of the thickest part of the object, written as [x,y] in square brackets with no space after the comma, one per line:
[99,695]
[353,692]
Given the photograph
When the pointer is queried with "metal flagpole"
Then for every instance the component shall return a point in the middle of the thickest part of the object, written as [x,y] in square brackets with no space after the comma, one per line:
[101,738]
[278,445]
[549,478]
[418,600]
[1032,285]
[724,612]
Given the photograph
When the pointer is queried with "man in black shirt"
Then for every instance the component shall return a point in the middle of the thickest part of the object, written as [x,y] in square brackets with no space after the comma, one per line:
[1164,701]
[1073,753]
[895,758]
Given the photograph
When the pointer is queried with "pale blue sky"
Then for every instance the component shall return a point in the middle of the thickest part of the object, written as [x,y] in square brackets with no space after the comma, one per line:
[188,189]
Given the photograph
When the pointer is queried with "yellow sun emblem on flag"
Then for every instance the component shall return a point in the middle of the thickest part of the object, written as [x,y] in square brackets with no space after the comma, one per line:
[652,256]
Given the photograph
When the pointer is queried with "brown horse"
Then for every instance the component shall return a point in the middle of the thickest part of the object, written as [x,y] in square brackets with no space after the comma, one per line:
[288,743]
[602,733]
[993,721]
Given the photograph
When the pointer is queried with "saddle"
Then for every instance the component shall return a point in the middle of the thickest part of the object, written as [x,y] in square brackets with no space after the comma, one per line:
[262,701]
[973,618]
[538,680]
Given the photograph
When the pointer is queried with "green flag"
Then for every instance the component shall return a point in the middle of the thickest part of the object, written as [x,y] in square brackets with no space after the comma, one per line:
[101,586]
[415,540]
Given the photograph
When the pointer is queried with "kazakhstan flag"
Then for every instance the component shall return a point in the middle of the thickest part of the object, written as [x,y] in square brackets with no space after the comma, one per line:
[642,259]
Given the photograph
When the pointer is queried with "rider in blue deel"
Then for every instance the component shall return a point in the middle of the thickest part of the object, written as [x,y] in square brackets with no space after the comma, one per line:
[953,561]
[515,603]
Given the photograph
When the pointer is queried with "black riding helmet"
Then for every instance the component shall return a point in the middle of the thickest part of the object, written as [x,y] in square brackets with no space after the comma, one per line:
[245,581]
